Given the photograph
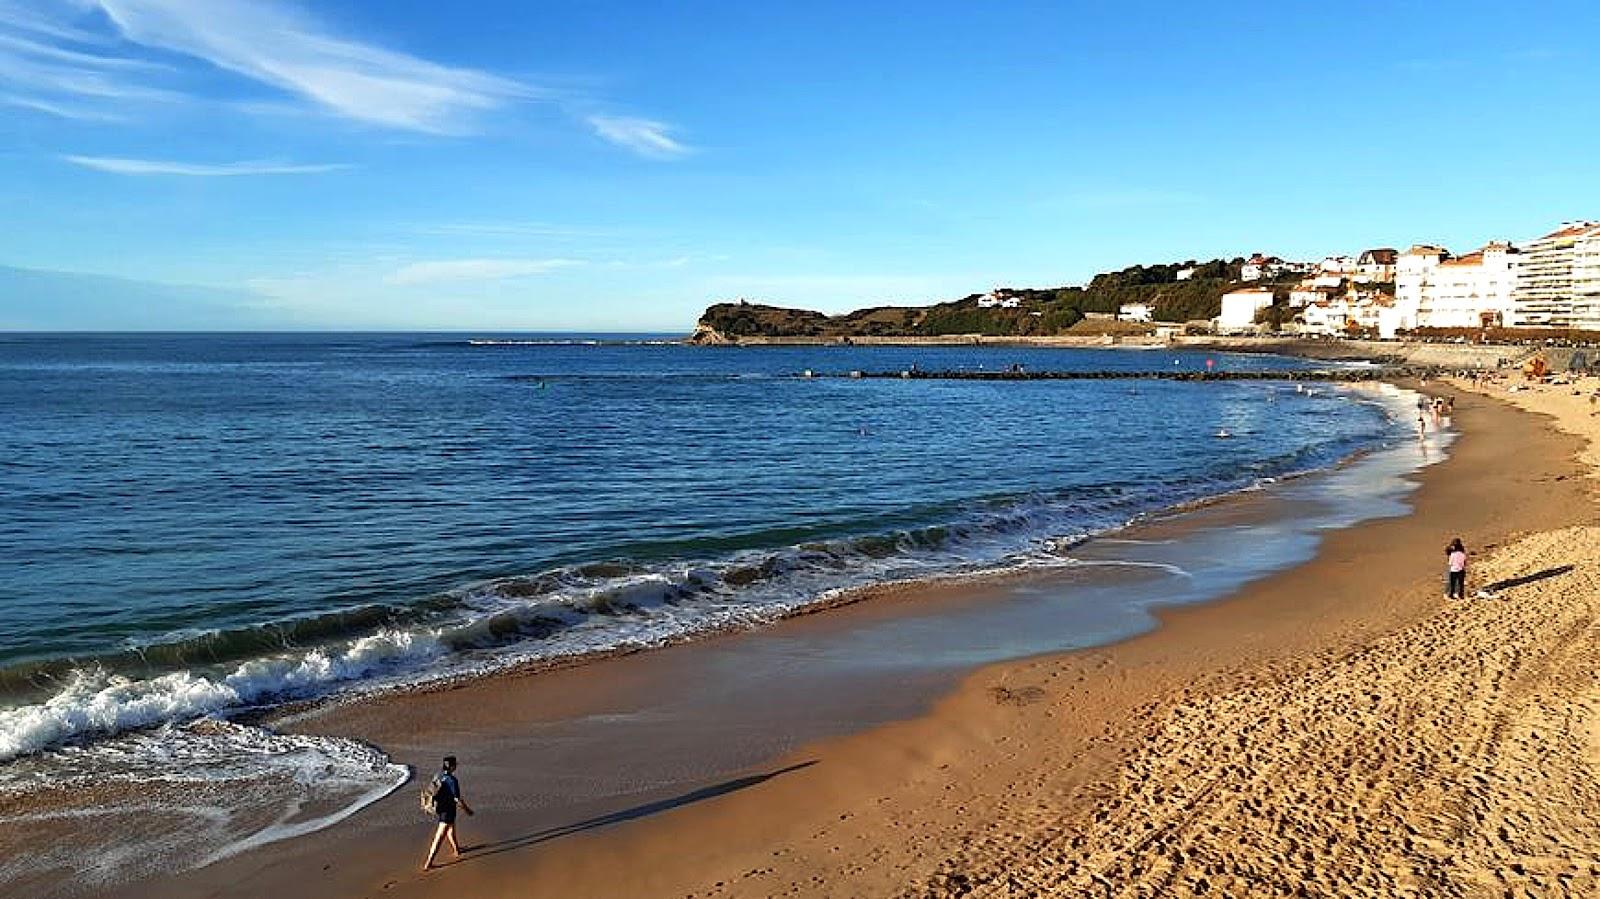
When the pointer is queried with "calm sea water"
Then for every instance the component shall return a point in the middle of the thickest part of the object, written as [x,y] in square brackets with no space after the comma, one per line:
[194,524]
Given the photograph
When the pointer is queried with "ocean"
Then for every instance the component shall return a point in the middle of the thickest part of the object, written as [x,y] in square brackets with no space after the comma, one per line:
[194,528]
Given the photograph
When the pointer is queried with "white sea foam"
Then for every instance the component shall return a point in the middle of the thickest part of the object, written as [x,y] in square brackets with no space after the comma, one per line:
[1169,568]
[94,703]
[161,793]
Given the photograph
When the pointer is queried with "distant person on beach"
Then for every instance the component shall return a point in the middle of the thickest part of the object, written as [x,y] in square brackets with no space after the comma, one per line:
[446,796]
[1456,562]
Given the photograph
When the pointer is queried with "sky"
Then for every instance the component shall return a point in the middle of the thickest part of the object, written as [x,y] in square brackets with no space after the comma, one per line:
[603,166]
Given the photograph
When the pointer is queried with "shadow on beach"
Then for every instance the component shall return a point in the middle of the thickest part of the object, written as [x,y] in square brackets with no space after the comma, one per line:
[617,817]
[1497,586]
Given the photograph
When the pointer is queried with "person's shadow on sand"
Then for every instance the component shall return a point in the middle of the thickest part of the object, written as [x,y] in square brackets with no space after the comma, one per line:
[639,811]
[1489,590]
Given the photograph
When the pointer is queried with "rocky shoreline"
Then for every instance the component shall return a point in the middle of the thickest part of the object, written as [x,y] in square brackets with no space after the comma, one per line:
[1419,354]
[1376,373]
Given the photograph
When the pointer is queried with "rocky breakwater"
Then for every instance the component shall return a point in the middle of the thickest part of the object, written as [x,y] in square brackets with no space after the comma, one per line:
[1384,373]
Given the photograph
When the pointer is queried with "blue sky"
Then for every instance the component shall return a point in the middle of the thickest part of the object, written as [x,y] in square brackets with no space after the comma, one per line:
[614,166]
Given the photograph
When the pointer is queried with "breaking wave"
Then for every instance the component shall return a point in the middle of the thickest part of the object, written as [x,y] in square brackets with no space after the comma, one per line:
[561,613]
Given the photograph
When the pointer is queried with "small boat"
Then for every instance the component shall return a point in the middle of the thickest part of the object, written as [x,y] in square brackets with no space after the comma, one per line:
[1223,434]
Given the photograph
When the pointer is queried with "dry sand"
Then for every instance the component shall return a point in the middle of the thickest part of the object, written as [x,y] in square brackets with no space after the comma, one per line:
[1337,730]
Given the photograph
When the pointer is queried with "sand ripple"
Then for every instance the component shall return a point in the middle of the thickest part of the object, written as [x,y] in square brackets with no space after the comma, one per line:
[1455,757]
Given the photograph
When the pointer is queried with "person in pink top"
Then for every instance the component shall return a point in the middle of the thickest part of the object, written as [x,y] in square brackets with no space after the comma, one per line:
[1456,558]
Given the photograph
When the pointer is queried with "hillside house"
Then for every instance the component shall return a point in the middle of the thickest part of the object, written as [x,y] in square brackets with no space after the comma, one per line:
[1136,312]
[1240,307]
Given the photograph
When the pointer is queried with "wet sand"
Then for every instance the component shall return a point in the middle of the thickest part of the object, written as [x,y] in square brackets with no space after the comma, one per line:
[1337,728]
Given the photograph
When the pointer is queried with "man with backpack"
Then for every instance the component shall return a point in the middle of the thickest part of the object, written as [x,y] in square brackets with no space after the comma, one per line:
[440,798]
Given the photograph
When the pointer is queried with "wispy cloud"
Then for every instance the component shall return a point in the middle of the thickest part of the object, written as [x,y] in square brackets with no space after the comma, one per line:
[118,166]
[645,137]
[29,17]
[278,45]
[91,59]
[446,270]
[55,67]
[32,47]
[61,110]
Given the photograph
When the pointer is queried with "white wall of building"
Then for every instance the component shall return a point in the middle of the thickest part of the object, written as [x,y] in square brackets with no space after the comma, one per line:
[1304,296]
[1558,279]
[1136,312]
[1470,292]
[1545,294]
[1411,273]
[1586,282]
[1239,308]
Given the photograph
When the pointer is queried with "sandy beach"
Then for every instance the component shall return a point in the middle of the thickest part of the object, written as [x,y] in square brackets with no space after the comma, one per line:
[1338,729]
[817,451]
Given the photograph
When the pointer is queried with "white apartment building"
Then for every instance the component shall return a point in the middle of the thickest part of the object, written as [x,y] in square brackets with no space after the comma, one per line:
[1308,293]
[1435,290]
[1325,317]
[1471,291]
[1336,316]
[1586,282]
[1558,279]
[1411,272]
[1239,308]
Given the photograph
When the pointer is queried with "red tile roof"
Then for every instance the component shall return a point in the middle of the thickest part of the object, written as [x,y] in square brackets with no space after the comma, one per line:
[1576,229]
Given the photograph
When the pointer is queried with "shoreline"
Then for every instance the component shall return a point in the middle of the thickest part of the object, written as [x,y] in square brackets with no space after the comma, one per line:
[402,682]
[829,601]
[1401,352]
[566,862]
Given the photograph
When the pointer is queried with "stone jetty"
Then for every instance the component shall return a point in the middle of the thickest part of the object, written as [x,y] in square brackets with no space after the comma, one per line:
[1373,373]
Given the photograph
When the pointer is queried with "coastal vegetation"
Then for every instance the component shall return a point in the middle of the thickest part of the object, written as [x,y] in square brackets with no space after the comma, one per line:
[1176,292]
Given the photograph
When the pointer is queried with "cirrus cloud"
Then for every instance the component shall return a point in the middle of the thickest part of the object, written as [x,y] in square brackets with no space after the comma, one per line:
[97,59]
[276,44]
[120,166]
[645,137]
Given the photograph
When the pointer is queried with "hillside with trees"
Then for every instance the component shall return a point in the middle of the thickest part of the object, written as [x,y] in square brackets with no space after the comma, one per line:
[1004,312]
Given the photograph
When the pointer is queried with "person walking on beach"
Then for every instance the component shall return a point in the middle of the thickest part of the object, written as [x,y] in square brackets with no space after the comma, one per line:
[446,796]
[1456,562]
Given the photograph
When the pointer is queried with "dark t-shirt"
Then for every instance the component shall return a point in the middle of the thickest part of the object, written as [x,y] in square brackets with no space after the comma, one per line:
[444,798]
